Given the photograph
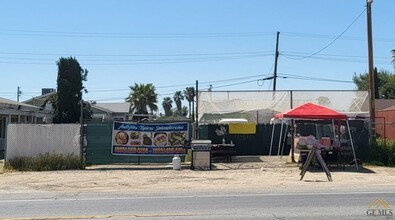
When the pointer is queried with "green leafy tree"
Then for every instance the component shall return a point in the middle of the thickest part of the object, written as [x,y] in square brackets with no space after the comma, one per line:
[178,97]
[142,98]
[189,94]
[384,83]
[167,104]
[183,112]
[87,110]
[67,101]
[393,56]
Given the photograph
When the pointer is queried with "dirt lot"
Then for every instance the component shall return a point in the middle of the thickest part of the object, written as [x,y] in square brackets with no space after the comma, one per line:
[245,173]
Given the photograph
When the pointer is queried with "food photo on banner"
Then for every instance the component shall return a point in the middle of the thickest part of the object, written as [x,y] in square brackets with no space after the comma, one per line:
[130,138]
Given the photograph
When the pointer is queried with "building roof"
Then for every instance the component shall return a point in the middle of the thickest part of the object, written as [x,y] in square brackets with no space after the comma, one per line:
[382,104]
[388,109]
[40,101]
[122,107]
[7,103]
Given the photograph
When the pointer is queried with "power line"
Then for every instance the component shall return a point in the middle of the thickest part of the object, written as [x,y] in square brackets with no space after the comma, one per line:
[140,55]
[301,77]
[36,33]
[336,59]
[157,61]
[322,36]
[289,53]
[333,41]
[184,84]
[41,33]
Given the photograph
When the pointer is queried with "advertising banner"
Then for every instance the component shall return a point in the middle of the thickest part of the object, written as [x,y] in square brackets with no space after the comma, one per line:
[140,139]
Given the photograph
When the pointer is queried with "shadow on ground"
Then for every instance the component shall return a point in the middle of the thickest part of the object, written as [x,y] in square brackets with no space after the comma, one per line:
[156,166]
[346,168]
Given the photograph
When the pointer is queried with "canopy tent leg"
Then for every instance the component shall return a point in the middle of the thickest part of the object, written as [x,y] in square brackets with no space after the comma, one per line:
[352,145]
[334,132]
[281,137]
[283,141]
[271,141]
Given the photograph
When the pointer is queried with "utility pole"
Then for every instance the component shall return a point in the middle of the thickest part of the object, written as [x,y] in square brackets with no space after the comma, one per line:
[196,133]
[371,71]
[275,63]
[18,93]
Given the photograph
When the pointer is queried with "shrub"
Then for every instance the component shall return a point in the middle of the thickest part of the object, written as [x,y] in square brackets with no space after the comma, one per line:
[45,162]
[383,152]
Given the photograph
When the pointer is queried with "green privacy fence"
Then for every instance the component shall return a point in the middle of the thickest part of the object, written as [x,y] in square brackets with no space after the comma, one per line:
[99,137]
[259,143]
[98,148]
[247,144]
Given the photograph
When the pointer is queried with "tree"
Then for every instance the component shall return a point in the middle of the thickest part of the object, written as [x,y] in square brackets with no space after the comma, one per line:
[384,83]
[189,94]
[67,101]
[141,98]
[178,97]
[183,112]
[167,104]
[393,56]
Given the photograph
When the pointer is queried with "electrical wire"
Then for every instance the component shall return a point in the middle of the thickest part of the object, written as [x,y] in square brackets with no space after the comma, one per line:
[333,41]
[36,33]
[157,61]
[139,55]
[289,53]
[321,36]
[339,59]
[301,77]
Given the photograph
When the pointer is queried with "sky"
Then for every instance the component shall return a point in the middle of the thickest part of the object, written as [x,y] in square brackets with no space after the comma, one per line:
[228,44]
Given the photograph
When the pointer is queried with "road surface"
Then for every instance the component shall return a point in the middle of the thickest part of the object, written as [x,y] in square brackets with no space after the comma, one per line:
[324,204]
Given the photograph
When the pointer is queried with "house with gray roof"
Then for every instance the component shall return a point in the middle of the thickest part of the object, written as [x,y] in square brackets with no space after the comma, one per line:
[110,111]
[18,112]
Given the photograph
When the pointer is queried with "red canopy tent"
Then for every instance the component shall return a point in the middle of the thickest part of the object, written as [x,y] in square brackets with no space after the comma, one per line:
[314,112]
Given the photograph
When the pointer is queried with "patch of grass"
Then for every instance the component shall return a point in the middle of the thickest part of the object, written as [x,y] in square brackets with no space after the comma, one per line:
[1,166]
[188,157]
[45,162]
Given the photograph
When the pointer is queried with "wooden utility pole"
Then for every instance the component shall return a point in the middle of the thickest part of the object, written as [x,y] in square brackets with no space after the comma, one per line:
[371,71]
[275,63]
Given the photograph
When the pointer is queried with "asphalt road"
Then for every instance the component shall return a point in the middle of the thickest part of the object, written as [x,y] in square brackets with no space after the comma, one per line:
[230,205]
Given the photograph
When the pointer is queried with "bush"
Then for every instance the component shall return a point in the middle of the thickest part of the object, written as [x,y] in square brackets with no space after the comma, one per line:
[383,152]
[45,162]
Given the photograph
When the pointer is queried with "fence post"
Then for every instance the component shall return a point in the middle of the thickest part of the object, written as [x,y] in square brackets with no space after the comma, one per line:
[82,158]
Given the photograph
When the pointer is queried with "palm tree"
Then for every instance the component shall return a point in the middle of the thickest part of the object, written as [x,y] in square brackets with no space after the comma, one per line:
[189,93]
[167,104]
[178,97]
[141,98]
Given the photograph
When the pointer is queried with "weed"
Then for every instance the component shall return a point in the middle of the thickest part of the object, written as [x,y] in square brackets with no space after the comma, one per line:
[44,162]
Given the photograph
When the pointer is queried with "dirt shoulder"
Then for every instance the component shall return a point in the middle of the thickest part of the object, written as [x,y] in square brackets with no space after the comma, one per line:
[248,175]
